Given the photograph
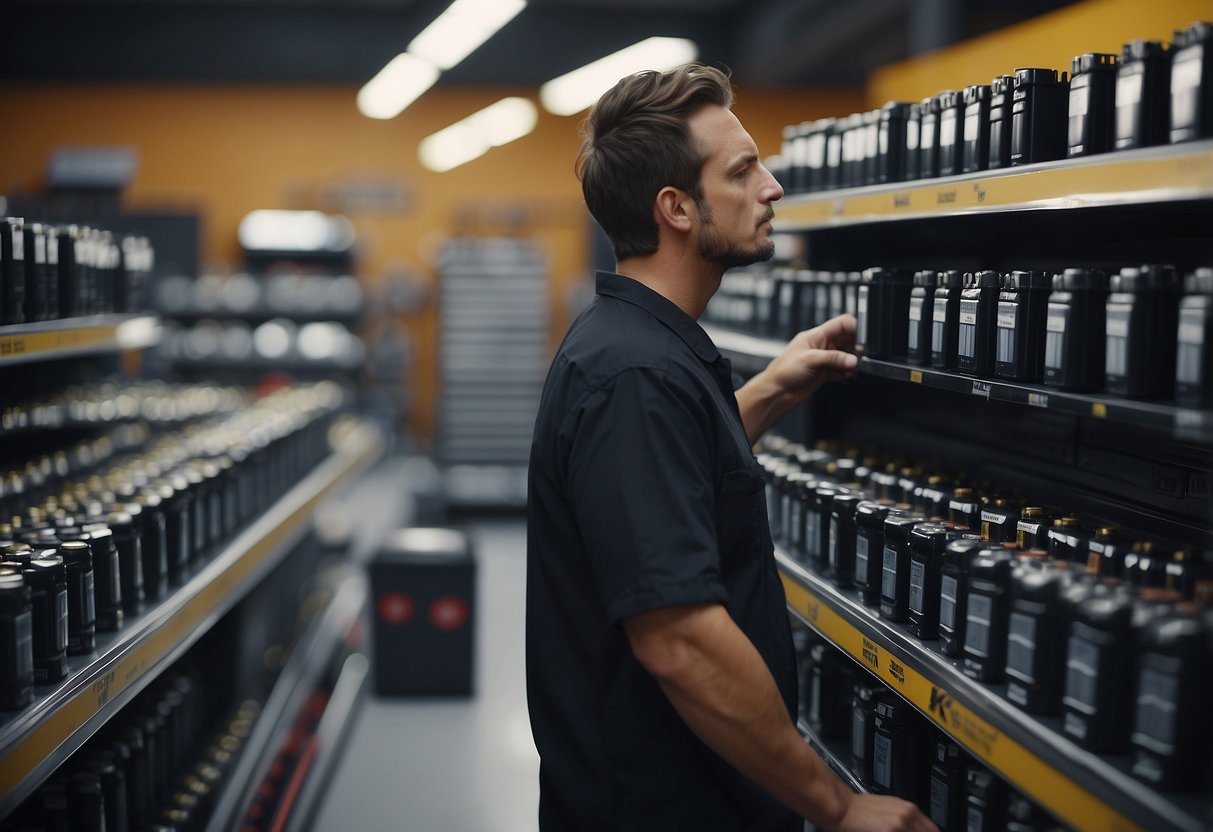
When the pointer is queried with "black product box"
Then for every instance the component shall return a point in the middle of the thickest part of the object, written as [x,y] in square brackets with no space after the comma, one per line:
[423,587]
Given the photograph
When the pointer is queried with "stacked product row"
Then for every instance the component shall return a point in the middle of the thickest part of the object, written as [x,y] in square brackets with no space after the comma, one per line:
[51,272]
[1152,93]
[1017,593]
[152,768]
[895,750]
[102,403]
[85,550]
[1144,332]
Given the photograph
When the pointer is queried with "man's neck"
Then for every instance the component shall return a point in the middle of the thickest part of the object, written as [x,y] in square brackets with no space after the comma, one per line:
[687,283]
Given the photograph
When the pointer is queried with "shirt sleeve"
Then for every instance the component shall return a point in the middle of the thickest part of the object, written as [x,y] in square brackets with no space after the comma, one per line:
[642,485]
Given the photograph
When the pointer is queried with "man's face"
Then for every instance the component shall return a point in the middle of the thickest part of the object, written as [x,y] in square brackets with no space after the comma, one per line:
[736,192]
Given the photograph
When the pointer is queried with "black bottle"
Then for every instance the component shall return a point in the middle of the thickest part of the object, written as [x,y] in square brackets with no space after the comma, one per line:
[1002,90]
[832,175]
[945,319]
[1068,540]
[70,253]
[947,789]
[976,152]
[12,271]
[153,545]
[883,313]
[1170,735]
[922,306]
[894,768]
[36,278]
[985,800]
[954,593]
[1075,339]
[896,566]
[863,726]
[869,548]
[910,162]
[795,160]
[829,692]
[1038,120]
[1143,95]
[1032,528]
[1192,84]
[951,132]
[81,611]
[964,510]
[928,138]
[985,642]
[999,521]
[1142,329]
[47,580]
[891,142]
[1194,343]
[977,319]
[16,642]
[928,543]
[818,175]
[1023,307]
[107,573]
[841,557]
[127,541]
[113,788]
[1092,109]
[1106,553]
[1035,649]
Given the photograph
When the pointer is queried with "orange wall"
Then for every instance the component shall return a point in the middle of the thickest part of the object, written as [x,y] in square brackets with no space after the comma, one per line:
[225,151]
[1050,40]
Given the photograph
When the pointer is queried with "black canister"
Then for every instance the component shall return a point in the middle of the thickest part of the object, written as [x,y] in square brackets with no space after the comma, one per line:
[789,286]
[795,160]
[794,510]
[999,521]
[954,593]
[1106,553]
[977,317]
[1035,649]
[894,768]
[176,504]
[947,786]
[883,313]
[945,319]
[1038,116]
[964,510]
[1171,734]
[1143,95]
[1002,91]
[931,498]
[985,642]
[871,145]
[896,566]
[87,803]
[816,149]
[985,800]
[928,543]
[910,163]
[1145,565]
[12,271]
[113,788]
[1099,682]
[922,306]
[16,641]
[863,726]
[1092,111]
[831,682]
[1023,308]
[1192,84]
[130,560]
[817,524]
[51,293]
[832,173]
[71,266]
[928,138]
[1141,332]
[107,570]
[951,132]
[1068,540]
[47,580]
[1075,336]
[976,152]
[891,142]
[81,597]
[840,566]
[1190,573]
[849,129]
[1032,528]
[869,544]
[36,280]
[153,546]
[1193,350]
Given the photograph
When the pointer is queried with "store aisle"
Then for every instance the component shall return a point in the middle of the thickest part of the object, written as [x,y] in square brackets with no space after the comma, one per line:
[454,765]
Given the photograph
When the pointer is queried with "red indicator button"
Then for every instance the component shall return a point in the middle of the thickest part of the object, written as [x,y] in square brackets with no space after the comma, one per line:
[448,613]
[395,608]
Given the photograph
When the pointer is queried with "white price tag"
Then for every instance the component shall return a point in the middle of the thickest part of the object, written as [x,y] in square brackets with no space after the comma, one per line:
[1007,315]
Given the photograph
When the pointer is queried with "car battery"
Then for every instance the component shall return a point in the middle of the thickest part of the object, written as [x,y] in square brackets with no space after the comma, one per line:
[945,319]
[975,152]
[1075,331]
[1192,84]
[1193,350]
[1141,333]
[891,142]
[976,323]
[985,640]
[423,587]
[928,138]
[1023,307]
[896,565]
[922,306]
[1002,90]
[1038,116]
[1035,653]
[951,132]
[883,313]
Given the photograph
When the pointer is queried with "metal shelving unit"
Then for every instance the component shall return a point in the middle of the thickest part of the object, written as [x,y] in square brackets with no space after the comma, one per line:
[834,756]
[36,740]
[1084,790]
[493,320]
[75,337]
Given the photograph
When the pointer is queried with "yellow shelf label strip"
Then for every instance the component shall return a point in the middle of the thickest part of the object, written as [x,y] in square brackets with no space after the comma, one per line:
[58,727]
[1043,783]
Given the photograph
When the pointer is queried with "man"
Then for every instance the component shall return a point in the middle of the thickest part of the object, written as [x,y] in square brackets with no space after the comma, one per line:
[660,668]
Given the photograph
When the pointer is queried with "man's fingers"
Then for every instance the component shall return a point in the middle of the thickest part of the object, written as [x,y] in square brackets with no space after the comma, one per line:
[837,360]
[836,333]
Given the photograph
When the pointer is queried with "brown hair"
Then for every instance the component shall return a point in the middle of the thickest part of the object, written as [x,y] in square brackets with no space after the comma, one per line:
[636,142]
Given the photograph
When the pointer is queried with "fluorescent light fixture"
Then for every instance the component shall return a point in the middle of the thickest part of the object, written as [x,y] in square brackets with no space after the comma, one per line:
[462,29]
[396,86]
[575,91]
[471,138]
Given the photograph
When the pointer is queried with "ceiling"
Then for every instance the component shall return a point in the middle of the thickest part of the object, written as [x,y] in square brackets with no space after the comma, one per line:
[775,43]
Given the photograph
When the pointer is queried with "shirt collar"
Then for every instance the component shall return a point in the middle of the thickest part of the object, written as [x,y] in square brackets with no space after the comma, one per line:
[683,325]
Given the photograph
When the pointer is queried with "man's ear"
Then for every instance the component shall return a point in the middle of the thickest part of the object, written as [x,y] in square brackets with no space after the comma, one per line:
[672,208]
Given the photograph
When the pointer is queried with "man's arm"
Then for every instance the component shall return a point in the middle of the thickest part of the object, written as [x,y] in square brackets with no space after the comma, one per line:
[810,359]
[722,689]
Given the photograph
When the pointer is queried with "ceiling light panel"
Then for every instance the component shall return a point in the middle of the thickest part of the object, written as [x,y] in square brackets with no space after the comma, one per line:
[577,90]
[472,137]
[396,86]
[462,29]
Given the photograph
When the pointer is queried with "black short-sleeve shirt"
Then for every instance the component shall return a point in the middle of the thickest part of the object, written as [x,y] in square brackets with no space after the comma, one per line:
[644,493]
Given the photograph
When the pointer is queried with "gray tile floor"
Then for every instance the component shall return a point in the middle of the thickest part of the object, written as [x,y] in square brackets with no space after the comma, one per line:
[452,765]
